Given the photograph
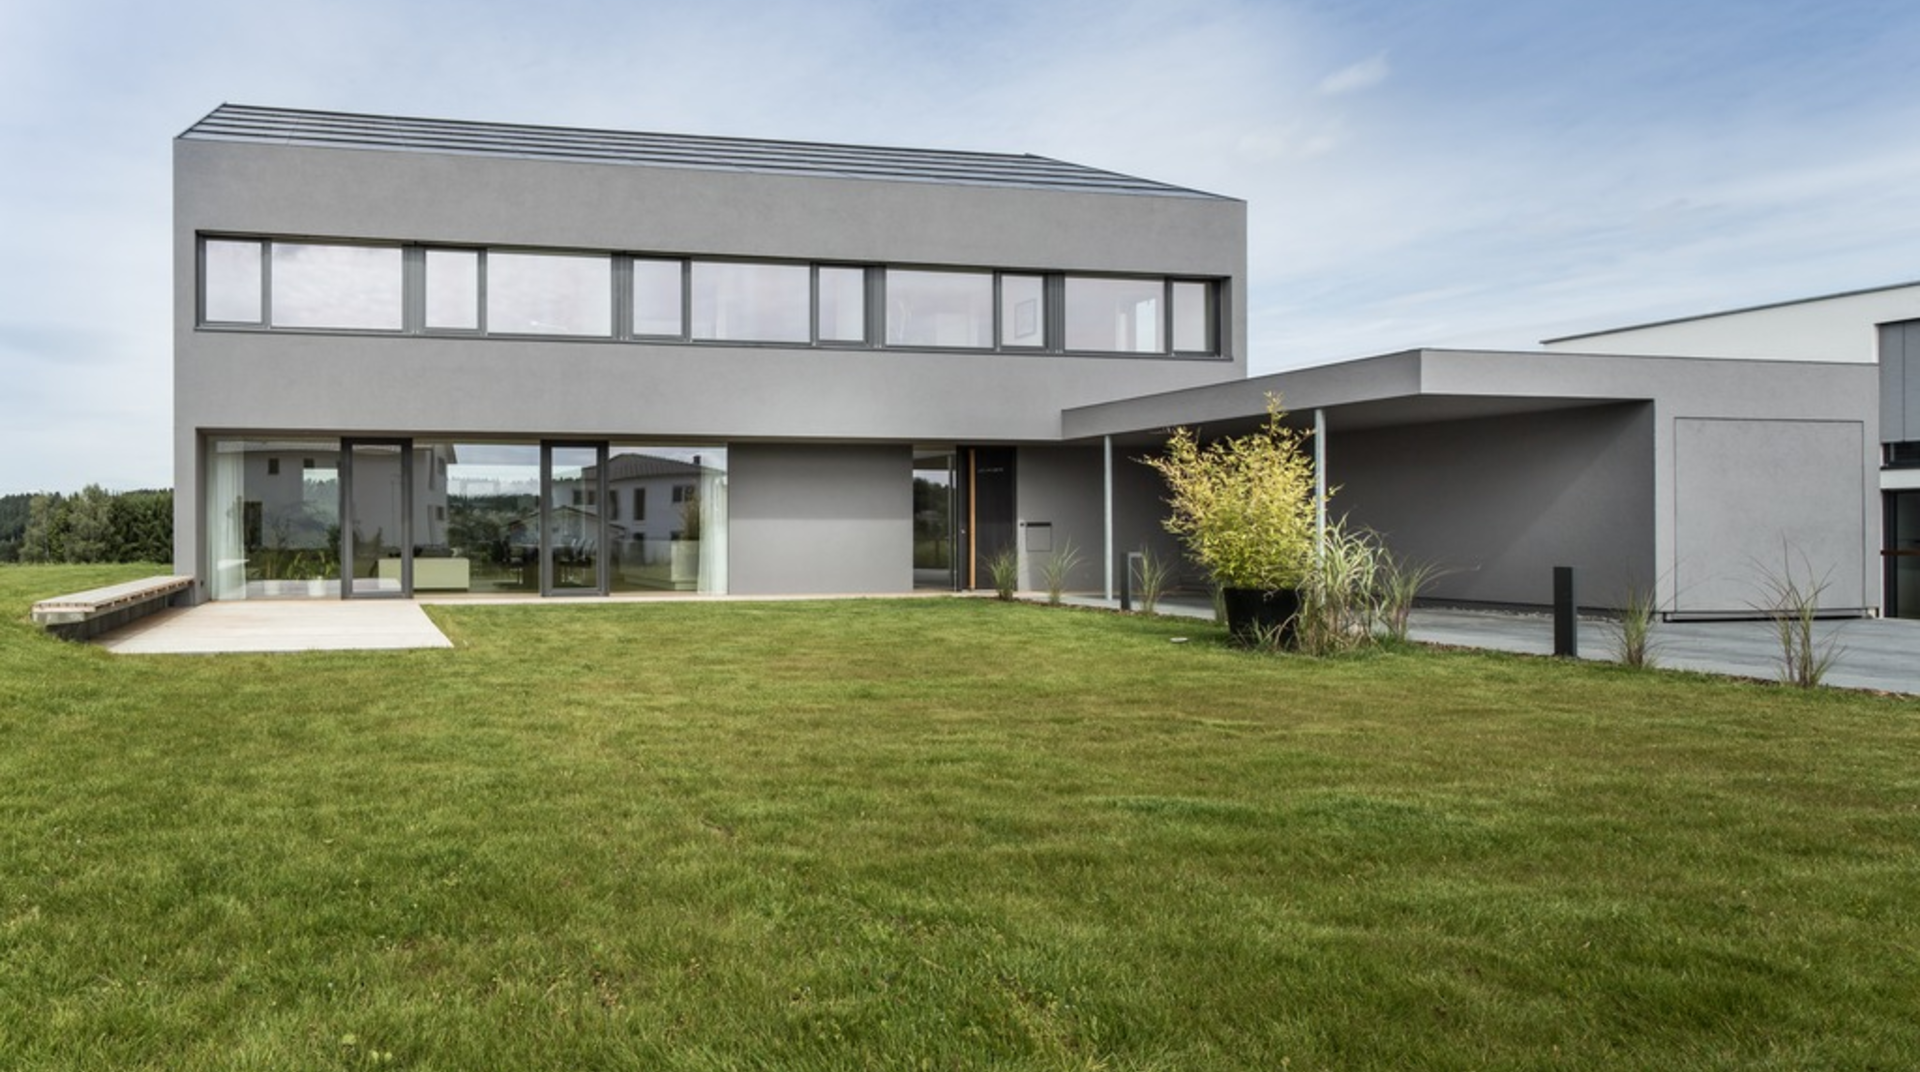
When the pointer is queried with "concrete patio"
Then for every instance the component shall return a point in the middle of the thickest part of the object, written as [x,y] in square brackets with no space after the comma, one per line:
[284,625]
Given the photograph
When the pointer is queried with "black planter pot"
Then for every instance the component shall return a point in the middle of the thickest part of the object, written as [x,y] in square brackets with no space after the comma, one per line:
[1253,613]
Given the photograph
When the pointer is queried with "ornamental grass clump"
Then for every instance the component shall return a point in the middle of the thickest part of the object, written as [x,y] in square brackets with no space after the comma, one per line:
[1003,569]
[1058,570]
[1244,506]
[1156,574]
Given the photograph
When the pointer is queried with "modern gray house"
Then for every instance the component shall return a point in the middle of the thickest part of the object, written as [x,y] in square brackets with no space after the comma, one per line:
[424,356]
[418,355]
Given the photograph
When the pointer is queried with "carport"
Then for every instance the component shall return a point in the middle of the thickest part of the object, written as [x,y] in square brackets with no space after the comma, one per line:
[1695,478]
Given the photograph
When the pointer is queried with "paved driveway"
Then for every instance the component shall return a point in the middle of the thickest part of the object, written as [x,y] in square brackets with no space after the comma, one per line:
[1869,653]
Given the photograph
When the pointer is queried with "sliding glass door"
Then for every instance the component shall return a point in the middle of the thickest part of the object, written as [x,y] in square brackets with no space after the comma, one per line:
[573,487]
[376,544]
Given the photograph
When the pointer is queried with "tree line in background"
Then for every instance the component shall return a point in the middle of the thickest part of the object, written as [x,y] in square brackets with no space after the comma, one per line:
[91,525]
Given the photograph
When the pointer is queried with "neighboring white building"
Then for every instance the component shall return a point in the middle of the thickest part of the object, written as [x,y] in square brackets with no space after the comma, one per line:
[1878,327]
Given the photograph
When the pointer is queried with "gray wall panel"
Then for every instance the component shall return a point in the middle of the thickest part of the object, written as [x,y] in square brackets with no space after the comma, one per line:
[1909,387]
[1063,488]
[1757,497]
[1501,501]
[819,519]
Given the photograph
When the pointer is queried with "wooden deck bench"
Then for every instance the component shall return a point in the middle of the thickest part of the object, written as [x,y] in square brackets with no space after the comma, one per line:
[83,615]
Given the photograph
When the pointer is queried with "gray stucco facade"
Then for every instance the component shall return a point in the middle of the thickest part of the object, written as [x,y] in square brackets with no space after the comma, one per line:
[336,458]
[820,435]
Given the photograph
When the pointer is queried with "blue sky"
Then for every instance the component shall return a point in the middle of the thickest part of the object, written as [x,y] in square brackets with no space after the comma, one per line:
[1468,173]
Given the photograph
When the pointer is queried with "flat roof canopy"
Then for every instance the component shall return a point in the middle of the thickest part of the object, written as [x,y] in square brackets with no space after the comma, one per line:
[1429,386]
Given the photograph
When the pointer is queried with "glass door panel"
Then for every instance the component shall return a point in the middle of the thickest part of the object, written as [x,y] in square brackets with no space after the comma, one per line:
[491,537]
[273,518]
[933,521]
[1902,554]
[376,543]
[573,480]
[666,518]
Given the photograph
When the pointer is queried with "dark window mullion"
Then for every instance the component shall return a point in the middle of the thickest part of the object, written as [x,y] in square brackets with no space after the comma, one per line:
[413,290]
[686,300]
[1166,316]
[480,287]
[1054,312]
[999,330]
[622,273]
[266,283]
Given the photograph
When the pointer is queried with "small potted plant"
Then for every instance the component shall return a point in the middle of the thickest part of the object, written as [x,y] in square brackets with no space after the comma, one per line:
[1245,507]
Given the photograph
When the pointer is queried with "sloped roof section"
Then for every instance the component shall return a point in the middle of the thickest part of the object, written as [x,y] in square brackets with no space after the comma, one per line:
[339,130]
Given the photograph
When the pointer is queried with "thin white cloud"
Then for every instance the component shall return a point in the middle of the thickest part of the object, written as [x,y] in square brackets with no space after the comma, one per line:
[1366,74]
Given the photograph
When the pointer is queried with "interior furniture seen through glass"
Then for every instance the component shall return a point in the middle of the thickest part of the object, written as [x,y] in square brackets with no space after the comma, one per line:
[572,483]
[378,536]
[273,518]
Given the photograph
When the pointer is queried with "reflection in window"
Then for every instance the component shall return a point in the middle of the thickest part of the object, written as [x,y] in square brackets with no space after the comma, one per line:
[656,298]
[273,538]
[843,305]
[231,281]
[741,302]
[1114,315]
[355,287]
[453,290]
[341,285]
[1192,319]
[682,545]
[939,308]
[549,294]
[1023,319]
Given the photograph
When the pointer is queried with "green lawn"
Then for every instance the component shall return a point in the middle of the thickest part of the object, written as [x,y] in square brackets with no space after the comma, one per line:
[945,834]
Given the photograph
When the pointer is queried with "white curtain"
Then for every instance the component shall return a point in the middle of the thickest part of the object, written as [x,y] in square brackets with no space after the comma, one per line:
[226,520]
[713,531]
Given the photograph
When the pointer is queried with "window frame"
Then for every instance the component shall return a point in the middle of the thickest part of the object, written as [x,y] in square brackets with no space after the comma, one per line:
[418,324]
[611,334]
[1053,313]
[992,345]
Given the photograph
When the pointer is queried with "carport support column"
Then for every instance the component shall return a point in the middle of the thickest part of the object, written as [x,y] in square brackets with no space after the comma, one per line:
[1319,481]
[1106,444]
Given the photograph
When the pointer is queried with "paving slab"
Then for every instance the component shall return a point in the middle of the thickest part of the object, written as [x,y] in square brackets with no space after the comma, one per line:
[293,625]
[1868,653]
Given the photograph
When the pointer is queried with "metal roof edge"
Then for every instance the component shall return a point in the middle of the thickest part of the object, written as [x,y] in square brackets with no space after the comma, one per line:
[1078,178]
[1861,292]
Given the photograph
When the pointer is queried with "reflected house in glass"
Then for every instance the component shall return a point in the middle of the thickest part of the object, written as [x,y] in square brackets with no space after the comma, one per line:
[558,361]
